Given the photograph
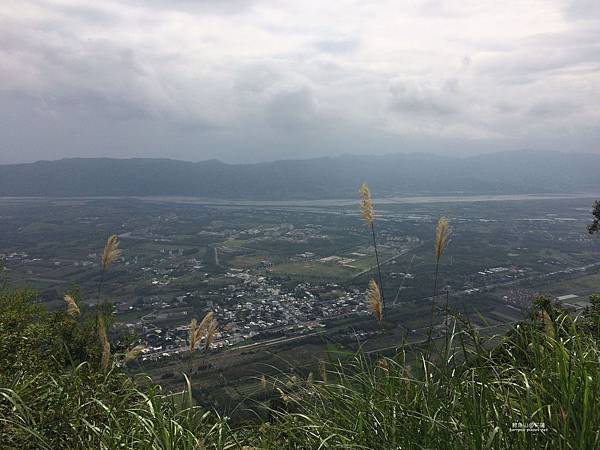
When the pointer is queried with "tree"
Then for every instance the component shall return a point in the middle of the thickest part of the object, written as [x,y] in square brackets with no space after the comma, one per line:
[594,227]
[33,340]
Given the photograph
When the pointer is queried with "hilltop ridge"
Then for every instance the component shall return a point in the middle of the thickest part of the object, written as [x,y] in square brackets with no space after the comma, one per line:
[525,172]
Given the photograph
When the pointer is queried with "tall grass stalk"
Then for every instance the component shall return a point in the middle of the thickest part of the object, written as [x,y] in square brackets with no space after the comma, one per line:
[110,253]
[368,213]
[442,239]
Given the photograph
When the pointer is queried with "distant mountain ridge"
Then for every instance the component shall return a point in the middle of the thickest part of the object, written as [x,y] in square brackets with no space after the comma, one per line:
[522,172]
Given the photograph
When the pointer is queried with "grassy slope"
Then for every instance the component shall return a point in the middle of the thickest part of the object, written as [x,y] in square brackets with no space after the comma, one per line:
[542,376]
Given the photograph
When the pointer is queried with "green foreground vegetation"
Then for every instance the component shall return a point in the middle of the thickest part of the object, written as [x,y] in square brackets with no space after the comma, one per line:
[536,387]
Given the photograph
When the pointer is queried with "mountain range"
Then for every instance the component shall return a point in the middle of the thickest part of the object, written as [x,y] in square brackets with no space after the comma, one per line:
[518,172]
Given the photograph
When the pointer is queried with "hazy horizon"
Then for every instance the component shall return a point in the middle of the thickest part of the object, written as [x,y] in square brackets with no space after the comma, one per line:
[306,158]
[251,81]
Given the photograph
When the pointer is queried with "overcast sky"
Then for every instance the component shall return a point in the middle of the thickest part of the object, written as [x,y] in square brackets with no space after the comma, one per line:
[246,81]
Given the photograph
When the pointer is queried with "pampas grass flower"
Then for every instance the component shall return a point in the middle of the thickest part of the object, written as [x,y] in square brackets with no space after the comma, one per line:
[204,323]
[442,237]
[210,334]
[193,335]
[111,252]
[366,205]
[374,300]
[72,308]
[196,331]
[548,324]
[134,353]
[263,383]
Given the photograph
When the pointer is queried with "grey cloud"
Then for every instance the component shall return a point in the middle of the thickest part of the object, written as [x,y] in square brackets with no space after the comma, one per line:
[245,80]
[256,78]
[530,66]
[505,108]
[101,77]
[90,13]
[582,9]
[466,62]
[340,45]
[209,7]
[293,110]
[540,55]
[552,109]
[581,36]
[96,103]
[412,98]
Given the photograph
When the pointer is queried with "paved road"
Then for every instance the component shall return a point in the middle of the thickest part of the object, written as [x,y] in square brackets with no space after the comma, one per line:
[280,340]
[393,258]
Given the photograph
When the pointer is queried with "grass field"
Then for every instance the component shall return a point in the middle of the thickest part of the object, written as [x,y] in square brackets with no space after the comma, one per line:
[314,270]
[247,261]
[582,286]
[234,243]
